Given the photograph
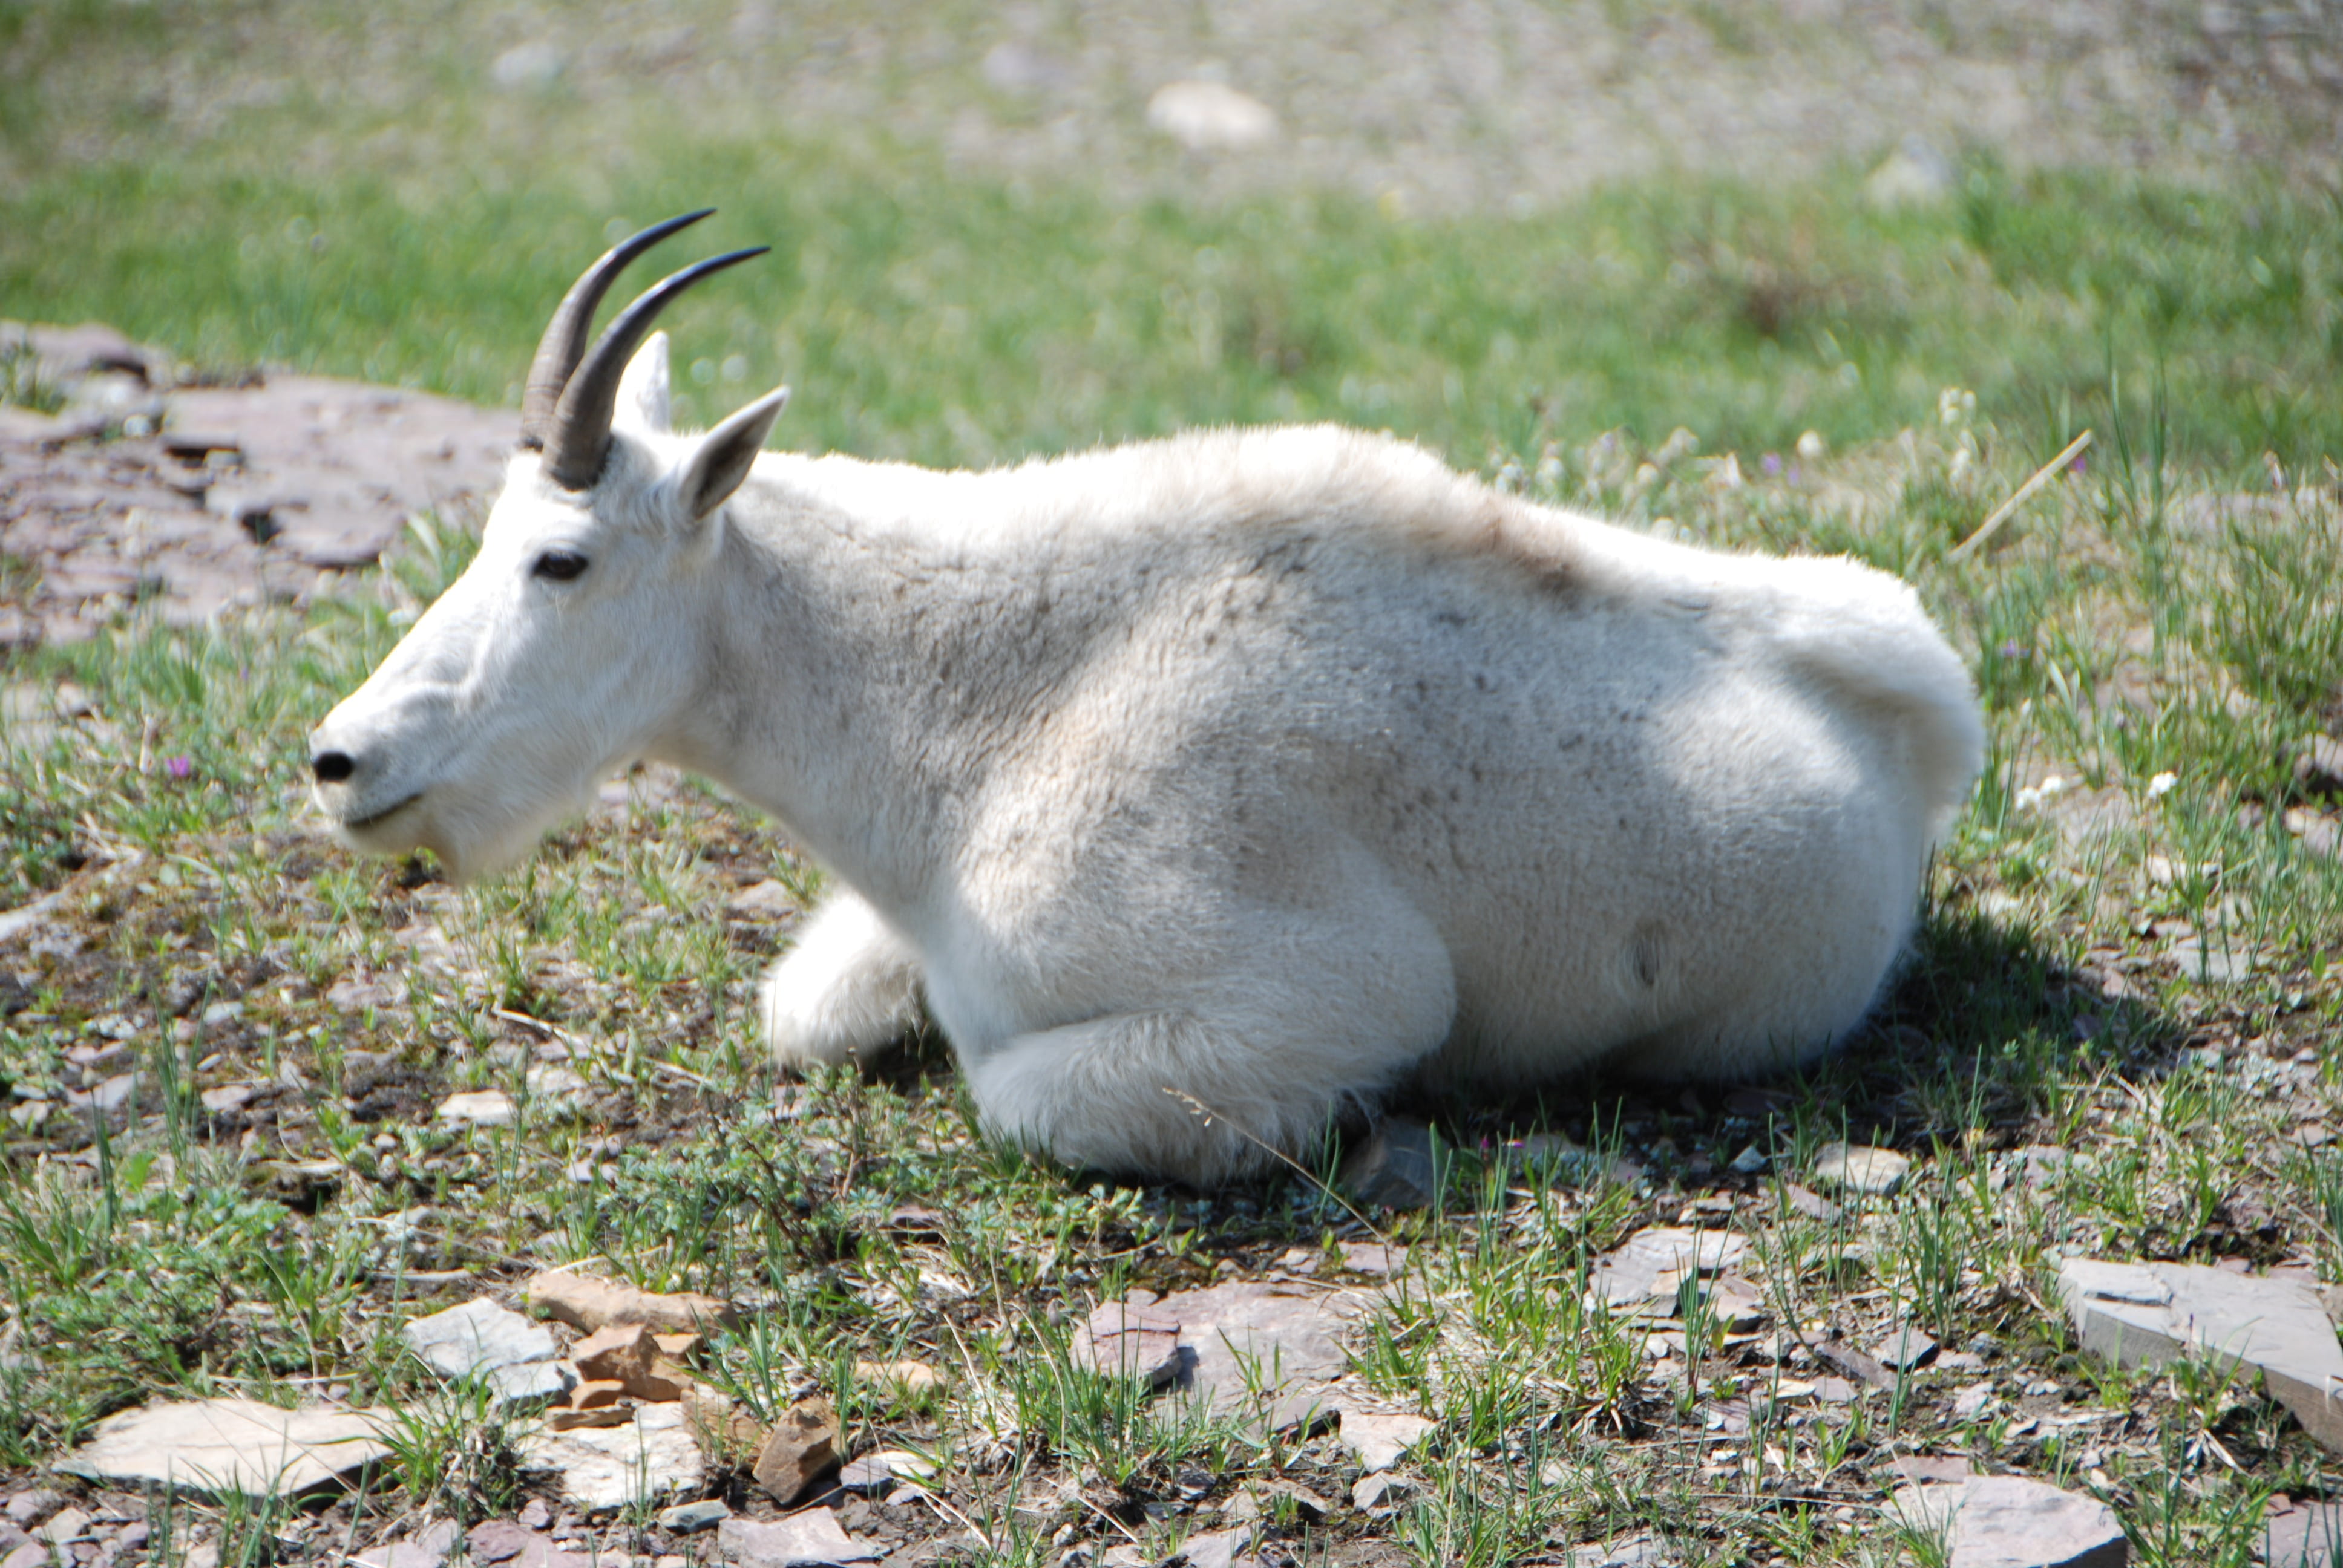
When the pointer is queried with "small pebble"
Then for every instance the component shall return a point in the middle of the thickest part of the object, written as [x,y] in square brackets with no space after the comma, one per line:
[685,1518]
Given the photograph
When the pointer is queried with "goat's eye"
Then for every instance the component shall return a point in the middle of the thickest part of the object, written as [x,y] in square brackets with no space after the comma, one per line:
[561,565]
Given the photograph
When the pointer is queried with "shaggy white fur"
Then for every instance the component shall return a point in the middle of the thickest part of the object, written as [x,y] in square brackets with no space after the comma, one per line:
[1266,767]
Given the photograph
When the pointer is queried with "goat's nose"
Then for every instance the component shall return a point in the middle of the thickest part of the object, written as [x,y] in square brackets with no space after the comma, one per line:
[332,767]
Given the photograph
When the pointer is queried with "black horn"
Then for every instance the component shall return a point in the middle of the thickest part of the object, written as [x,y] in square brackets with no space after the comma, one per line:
[580,437]
[564,343]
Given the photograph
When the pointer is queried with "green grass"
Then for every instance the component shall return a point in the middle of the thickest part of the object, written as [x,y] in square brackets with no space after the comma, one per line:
[961,321]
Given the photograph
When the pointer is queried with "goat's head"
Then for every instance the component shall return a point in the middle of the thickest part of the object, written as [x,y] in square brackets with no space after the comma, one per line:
[574,637]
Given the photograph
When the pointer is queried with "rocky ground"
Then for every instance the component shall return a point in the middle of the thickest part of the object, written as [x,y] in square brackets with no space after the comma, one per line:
[149,483]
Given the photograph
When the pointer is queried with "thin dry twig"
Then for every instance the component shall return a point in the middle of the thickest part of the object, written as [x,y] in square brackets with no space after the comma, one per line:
[2002,513]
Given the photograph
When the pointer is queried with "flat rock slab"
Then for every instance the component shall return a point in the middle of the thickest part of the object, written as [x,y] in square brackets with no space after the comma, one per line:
[1217,1549]
[1246,1335]
[1381,1441]
[2307,1535]
[224,1445]
[2009,1521]
[809,1539]
[225,496]
[1654,1261]
[1627,1552]
[650,1457]
[480,1108]
[588,1304]
[478,1337]
[1853,1168]
[426,1548]
[2144,1314]
[1124,1341]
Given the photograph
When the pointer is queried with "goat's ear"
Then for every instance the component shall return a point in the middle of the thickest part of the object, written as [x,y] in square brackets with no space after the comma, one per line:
[724,455]
[643,390]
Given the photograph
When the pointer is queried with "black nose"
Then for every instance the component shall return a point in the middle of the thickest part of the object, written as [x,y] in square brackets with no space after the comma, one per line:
[332,767]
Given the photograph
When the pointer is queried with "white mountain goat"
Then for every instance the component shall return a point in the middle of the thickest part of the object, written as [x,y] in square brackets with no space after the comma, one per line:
[1253,770]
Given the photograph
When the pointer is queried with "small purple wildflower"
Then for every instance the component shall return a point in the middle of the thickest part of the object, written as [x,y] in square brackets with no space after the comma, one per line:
[2081,465]
[2012,649]
[1793,473]
[179,767]
[1772,466]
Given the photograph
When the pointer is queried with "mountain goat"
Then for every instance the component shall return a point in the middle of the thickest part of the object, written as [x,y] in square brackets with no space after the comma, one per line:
[1251,769]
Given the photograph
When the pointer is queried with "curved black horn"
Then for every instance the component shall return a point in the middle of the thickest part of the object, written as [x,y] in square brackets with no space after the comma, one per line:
[580,433]
[564,343]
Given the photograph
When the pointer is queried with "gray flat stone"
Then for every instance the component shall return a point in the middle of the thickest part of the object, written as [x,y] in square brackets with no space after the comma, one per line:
[650,1457]
[1282,1338]
[2009,1521]
[223,1445]
[809,1539]
[481,1337]
[1654,1261]
[2144,1314]
[1640,1550]
[1215,1549]
[1125,1340]
[687,1518]
[523,1382]
[2307,1535]
[1381,1441]
[426,1548]
[1853,1168]
[480,1108]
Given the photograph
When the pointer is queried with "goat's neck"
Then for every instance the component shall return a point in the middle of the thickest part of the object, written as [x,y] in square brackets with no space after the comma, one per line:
[861,684]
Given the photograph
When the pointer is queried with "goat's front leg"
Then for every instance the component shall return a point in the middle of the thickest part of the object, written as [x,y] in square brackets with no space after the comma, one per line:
[848,986]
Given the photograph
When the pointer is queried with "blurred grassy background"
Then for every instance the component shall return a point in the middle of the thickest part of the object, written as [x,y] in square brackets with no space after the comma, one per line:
[970,267]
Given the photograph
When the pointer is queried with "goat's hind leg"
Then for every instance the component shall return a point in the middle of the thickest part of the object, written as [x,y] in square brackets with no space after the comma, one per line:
[848,988]
[1176,1094]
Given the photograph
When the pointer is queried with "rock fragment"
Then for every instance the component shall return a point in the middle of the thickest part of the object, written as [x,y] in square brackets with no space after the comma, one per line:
[2304,1535]
[587,1304]
[688,1518]
[876,1471]
[1904,1348]
[426,1548]
[803,1540]
[628,1355]
[650,1457]
[764,900]
[801,1446]
[1210,116]
[1215,1549]
[1246,1335]
[909,1376]
[481,1339]
[2009,1521]
[1638,1550]
[1124,1340]
[223,1445]
[721,1426]
[1377,1257]
[1381,1441]
[2144,1314]
[1656,1261]
[1853,1168]
[479,1107]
